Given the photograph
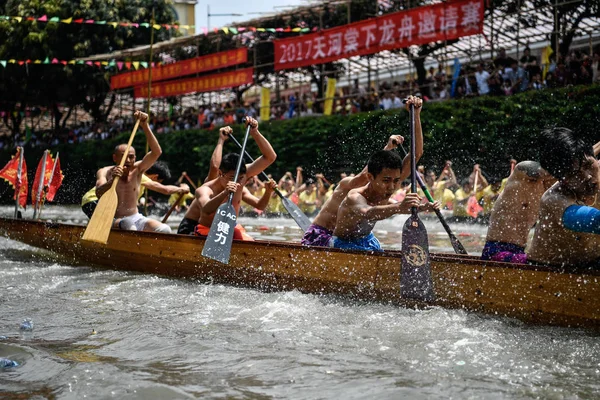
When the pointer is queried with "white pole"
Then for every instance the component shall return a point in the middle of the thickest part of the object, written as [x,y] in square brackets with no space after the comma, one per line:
[19,183]
[40,185]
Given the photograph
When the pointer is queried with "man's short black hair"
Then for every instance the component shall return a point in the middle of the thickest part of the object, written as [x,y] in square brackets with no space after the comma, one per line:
[562,152]
[161,169]
[383,159]
[229,163]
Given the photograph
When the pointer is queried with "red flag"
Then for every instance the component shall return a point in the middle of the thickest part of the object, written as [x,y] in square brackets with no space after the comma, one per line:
[10,174]
[55,180]
[46,178]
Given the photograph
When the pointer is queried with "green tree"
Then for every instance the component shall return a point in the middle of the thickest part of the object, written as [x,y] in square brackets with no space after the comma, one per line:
[47,85]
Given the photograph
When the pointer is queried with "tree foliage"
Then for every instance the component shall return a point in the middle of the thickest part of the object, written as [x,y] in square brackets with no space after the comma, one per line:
[484,130]
[47,85]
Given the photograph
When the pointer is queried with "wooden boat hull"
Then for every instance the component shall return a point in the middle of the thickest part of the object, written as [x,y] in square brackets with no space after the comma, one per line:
[532,294]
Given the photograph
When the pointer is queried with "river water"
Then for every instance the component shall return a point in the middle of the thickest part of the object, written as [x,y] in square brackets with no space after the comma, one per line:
[105,334]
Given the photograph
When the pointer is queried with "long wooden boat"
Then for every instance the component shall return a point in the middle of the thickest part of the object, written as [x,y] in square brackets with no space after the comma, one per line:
[533,294]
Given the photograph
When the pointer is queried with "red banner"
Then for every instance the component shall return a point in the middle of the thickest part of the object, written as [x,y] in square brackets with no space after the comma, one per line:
[181,68]
[10,174]
[207,83]
[443,21]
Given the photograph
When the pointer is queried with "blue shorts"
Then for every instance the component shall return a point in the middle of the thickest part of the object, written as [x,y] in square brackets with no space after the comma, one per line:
[367,243]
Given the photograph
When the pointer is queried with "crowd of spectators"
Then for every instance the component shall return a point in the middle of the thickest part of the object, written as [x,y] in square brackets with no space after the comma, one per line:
[502,76]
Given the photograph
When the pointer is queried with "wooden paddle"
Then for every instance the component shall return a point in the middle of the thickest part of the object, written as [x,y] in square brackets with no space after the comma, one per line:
[297,214]
[191,182]
[220,237]
[415,272]
[473,207]
[168,214]
[98,229]
[456,244]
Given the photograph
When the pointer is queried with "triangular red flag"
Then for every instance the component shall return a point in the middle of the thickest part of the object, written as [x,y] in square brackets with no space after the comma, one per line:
[473,207]
[55,180]
[38,177]
[10,172]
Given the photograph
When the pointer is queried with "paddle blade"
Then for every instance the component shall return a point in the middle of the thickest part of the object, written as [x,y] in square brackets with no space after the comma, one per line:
[473,207]
[297,214]
[415,275]
[98,229]
[218,242]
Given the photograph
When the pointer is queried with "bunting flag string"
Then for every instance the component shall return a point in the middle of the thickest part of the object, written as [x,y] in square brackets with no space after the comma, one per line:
[120,65]
[228,30]
[84,21]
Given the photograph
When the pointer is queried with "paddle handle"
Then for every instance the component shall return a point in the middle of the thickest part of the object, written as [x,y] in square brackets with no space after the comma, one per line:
[413,156]
[240,161]
[124,158]
[249,157]
[456,244]
[191,182]
[168,214]
[475,184]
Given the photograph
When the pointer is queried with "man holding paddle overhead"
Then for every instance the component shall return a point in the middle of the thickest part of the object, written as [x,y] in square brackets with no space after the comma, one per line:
[364,206]
[194,211]
[129,179]
[216,192]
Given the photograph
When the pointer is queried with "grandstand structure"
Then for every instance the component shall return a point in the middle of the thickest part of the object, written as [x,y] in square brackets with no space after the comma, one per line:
[511,25]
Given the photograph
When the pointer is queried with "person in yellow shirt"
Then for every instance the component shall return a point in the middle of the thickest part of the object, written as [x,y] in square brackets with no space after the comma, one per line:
[307,198]
[182,203]
[490,195]
[274,205]
[438,187]
[461,196]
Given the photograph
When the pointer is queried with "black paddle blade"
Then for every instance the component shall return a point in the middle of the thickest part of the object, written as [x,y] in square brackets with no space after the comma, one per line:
[415,275]
[219,239]
[300,218]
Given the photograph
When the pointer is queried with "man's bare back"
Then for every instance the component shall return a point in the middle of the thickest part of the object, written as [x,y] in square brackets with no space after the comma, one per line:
[554,244]
[516,209]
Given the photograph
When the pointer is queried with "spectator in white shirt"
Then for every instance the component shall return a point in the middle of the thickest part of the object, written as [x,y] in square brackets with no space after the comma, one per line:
[482,77]
[386,101]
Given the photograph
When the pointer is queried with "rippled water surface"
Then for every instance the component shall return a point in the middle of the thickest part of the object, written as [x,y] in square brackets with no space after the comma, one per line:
[105,334]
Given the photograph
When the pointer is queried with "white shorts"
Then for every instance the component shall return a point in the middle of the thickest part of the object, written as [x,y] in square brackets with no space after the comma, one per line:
[135,222]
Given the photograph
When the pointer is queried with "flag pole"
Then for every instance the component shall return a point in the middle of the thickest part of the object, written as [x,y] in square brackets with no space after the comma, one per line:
[40,185]
[19,183]
[152,22]
[49,183]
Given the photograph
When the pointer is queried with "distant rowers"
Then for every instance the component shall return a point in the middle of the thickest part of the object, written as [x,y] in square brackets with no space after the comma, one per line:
[514,213]
[129,178]
[568,230]
[215,192]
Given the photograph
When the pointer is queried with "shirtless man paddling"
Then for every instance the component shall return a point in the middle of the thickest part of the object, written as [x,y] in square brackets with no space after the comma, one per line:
[216,192]
[321,231]
[568,231]
[515,212]
[130,176]
[364,206]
